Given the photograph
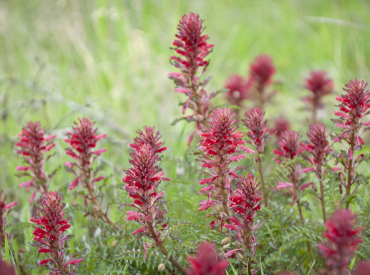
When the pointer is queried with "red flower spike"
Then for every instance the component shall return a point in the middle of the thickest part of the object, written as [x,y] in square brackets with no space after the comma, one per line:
[245,204]
[142,180]
[258,129]
[207,262]
[238,89]
[281,125]
[320,85]
[289,145]
[192,48]
[220,146]
[342,240]
[354,105]
[3,209]
[32,146]
[261,72]
[83,140]
[49,230]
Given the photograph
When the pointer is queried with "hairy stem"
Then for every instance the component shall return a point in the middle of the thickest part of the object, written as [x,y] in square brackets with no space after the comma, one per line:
[322,199]
[350,168]
[163,249]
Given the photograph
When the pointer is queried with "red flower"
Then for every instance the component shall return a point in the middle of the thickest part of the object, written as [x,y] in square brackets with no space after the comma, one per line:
[3,208]
[206,261]
[258,127]
[261,72]
[289,145]
[148,136]
[49,236]
[192,48]
[245,204]
[363,268]
[320,85]
[220,146]
[238,89]
[353,106]
[32,146]
[281,125]
[342,239]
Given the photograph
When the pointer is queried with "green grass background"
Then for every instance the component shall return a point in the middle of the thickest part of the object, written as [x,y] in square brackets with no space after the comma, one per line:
[109,60]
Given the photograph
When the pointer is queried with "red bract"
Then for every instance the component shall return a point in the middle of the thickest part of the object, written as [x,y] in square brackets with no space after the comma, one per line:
[261,71]
[49,234]
[353,106]
[142,180]
[3,208]
[148,136]
[220,146]
[245,203]
[207,262]
[32,146]
[281,125]
[83,140]
[320,85]
[319,148]
[342,239]
[238,89]
[192,47]
[289,145]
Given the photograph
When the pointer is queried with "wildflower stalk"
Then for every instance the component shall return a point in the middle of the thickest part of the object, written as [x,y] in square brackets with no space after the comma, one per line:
[142,181]
[353,106]
[220,145]
[32,146]
[3,208]
[82,139]
[258,135]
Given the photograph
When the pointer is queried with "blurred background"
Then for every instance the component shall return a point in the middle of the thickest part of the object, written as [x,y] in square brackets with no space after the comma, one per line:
[109,60]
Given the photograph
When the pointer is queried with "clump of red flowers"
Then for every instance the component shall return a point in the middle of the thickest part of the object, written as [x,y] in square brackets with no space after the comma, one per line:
[342,240]
[319,148]
[281,125]
[320,85]
[238,89]
[206,261]
[289,148]
[192,48]
[32,146]
[353,106]
[220,146]
[142,181]
[261,72]
[258,133]
[245,203]
[3,208]
[83,140]
[49,235]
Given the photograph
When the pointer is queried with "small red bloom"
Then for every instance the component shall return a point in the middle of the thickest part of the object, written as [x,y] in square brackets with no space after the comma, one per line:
[289,145]
[32,146]
[238,89]
[342,239]
[281,125]
[4,208]
[49,235]
[206,261]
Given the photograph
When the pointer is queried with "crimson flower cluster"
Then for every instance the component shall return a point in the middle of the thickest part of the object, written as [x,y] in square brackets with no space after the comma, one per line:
[3,208]
[142,181]
[206,261]
[281,125]
[245,203]
[149,136]
[319,148]
[192,47]
[220,146]
[289,148]
[262,71]
[342,240]
[319,85]
[258,133]
[32,146]
[238,89]
[49,235]
[353,106]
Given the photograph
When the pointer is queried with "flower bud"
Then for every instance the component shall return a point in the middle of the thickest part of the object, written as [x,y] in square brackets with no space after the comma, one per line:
[148,245]
[226,240]
[217,207]
[239,256]
[161,267]
[226,246]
